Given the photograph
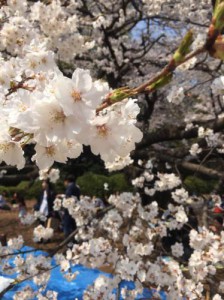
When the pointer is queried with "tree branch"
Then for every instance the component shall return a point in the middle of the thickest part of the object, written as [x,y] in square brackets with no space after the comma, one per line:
[172,133]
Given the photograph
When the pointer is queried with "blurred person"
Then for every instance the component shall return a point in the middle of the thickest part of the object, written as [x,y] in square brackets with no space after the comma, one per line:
[45,205]
[217,225]
[71,190]
[222,202]
[3,203]
[98,202]
[46,199]
[20,201]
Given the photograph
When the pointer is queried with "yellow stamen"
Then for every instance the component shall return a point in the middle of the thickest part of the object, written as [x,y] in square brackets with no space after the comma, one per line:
[102,130]
[76,96]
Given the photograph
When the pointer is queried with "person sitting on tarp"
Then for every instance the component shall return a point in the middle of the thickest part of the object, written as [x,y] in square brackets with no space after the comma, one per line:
[218,209]
[3,203]
[98,202]
[217,225]
[20,201]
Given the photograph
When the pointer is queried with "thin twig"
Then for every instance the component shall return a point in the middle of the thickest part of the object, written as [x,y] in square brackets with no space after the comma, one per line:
[99,214]
[19,252]
[15,282]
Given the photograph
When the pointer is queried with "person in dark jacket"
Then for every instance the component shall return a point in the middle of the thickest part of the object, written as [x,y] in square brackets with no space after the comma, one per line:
[71,189]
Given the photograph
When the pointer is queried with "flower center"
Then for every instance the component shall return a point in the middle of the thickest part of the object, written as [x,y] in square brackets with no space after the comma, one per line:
[58,116]
[22,107]
[33,64]
[102,130]
[5,147]
[76,96]
[50,151]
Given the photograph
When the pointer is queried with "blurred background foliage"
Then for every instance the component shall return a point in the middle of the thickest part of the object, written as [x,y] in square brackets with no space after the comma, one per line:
[196,185]
[90,184]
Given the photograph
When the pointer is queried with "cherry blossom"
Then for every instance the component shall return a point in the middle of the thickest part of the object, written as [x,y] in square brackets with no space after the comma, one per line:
[58,63]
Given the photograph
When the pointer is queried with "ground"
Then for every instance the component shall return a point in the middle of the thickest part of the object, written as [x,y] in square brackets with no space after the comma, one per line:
[11,226]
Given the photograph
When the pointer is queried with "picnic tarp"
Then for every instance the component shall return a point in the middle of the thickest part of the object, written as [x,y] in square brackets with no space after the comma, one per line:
[69,290]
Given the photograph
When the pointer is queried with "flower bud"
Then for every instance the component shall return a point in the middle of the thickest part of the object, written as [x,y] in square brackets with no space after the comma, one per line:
[184,47]
[160,83]
[120,94]
[217,2]
[218,17]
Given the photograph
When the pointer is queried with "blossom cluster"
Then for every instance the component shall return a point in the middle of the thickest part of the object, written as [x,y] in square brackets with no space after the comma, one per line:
[42,233]
[123,238]
[131,227]
[42,106]
[52,175]
[60,115]
[157,182]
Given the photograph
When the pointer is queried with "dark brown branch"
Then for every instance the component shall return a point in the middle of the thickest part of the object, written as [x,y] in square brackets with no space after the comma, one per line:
[202,170]
[172,133]
[17,178]
[193,167]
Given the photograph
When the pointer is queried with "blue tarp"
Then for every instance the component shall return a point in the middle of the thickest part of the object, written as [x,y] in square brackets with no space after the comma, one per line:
[74,289]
